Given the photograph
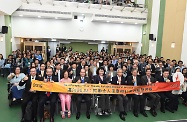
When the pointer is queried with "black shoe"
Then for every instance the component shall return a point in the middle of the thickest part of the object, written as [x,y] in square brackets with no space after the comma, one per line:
[152,112]
[22,119]
[162,110]
[155,112]
[122,116]
[88,115]
[108,111]
[135,114]
[169,109]
[35,119]
[103,112]
[52,119]
[144,114]
[42,120]
[125,113]
[78,115]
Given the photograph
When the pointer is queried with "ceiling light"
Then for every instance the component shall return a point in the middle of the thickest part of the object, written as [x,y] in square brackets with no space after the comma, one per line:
[56,17]
[53,39]
[82,14]
[39,16]
[136,23]
[107,21]
[121,22]
[20,15]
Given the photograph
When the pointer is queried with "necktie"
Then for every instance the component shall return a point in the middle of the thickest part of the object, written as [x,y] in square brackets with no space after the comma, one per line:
[135,83]
[48,93]
[82,80]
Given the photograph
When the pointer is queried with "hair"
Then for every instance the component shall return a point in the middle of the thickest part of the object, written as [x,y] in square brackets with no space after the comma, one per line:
[148,69]
[183,70]
[16,68]
[65,72]
[165,70]
[100,68]
[57,64]
[110,65]
[2,56]
[176,68]
[180,62]
[119,69]
[42,63]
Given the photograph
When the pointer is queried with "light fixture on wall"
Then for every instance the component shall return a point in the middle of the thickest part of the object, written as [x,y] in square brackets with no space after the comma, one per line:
[53,39]
[1,38]
[152,45]
[130,44]
[173,45]
[141,44]
[11,40]
[21,40]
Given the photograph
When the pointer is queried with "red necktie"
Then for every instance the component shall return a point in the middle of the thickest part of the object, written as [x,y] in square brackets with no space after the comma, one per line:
[48,93]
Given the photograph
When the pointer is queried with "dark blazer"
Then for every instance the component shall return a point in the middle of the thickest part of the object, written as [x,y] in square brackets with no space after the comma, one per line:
[98,80]
[65,67]
[86,79]
[90,74]
[145,80]
[115,80]
[130,78]
[161,79]
[77,72]
[117,64]
[61,73]
[40,74]
[28,85]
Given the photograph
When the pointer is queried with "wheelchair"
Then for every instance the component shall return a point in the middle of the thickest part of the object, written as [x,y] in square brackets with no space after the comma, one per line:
[97,107]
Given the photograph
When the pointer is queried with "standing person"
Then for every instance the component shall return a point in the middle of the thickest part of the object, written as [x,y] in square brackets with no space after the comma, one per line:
[63,49]
[134,80]
[82,79]
[30,95]
[48,53]
[57,48]
[38,56]
[2,61]
[155,98]
[58,71]
[65,98]
[122,98]
[51,96]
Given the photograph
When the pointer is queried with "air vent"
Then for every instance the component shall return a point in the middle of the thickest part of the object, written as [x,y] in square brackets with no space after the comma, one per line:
[43,11]
[118,17]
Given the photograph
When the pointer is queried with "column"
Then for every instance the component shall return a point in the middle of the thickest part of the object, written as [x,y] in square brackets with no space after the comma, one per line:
[2,37]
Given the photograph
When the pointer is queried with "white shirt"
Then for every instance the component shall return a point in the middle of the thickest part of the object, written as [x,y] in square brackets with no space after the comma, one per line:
[42,73]
[119,78]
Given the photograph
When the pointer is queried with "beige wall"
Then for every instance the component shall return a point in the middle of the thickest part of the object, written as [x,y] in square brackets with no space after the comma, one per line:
[173,28]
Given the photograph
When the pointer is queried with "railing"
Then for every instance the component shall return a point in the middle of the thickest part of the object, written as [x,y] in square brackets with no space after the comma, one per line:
[124,3]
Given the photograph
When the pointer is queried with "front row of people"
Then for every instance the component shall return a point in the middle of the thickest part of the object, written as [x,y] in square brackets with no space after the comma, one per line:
[39,98]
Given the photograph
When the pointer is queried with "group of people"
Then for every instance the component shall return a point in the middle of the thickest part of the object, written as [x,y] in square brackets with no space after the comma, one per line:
[97,68]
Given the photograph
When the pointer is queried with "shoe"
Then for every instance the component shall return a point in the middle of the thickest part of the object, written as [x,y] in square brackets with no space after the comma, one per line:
[103,112]
[42,120]
[78,115]
[152,112]
[122,116]
[155,112]
[22,119]
[135,114]
[63,115]
[35,119]
[69,114]
[162,110]
[169,109]
[88,115]
[108,111]
[52,119]
[124,113]
[144,114]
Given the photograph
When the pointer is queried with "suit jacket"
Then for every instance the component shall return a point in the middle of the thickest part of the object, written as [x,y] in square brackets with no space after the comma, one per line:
[158,71]
[92,69]
[86,79]
[98,80]
[109,77]
[115,80]
[28,85]
[39,73]
[90,75]
[117,64]
[65,67]
[161,79]
[71,75]
[145,80]
[61,74]
[130,78]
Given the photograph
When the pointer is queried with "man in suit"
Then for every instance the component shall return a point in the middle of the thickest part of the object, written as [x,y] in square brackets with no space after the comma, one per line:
[151,66]
[41,72]
[155,98]
[30,95]
[172,99]
[159,70]
[118,64]
[82,79]
[48,53]
[81,66]
[122,99]
[167,63]
[58,72]
[45,96]
[171,69]
[142,66]
[63,65]
[73,71]
[94,68]
[58,48]
[63,49]
[88,72]
[134,80]
[105,65]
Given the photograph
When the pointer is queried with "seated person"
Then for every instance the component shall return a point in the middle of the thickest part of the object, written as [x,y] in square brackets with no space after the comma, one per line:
[100,78]
[184,94]
[82,79]
[122,98]
[65,98]
[14,79]
[134,80]
[45,96]
[169,105]
[155,98]
[30,95]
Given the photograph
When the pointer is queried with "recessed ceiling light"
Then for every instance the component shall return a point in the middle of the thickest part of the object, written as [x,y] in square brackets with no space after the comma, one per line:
[107,21]
[121,22]
[39,16]
[82,14]
[56,17]
[20,15]
[136,23]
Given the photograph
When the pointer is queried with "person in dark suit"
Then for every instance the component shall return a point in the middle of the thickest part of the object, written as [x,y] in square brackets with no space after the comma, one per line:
[122,99]
[155,98]
[88,72]
[100,78]
[134,80]
[73,71]
[58,48]
[63,49]
[81,66]
[42,72]
[168,105]
[58,72]
[82,79]
[152,67]
[63,65]
[30,95]
[159,70]
[51,96]
[48,53]
[118,64]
